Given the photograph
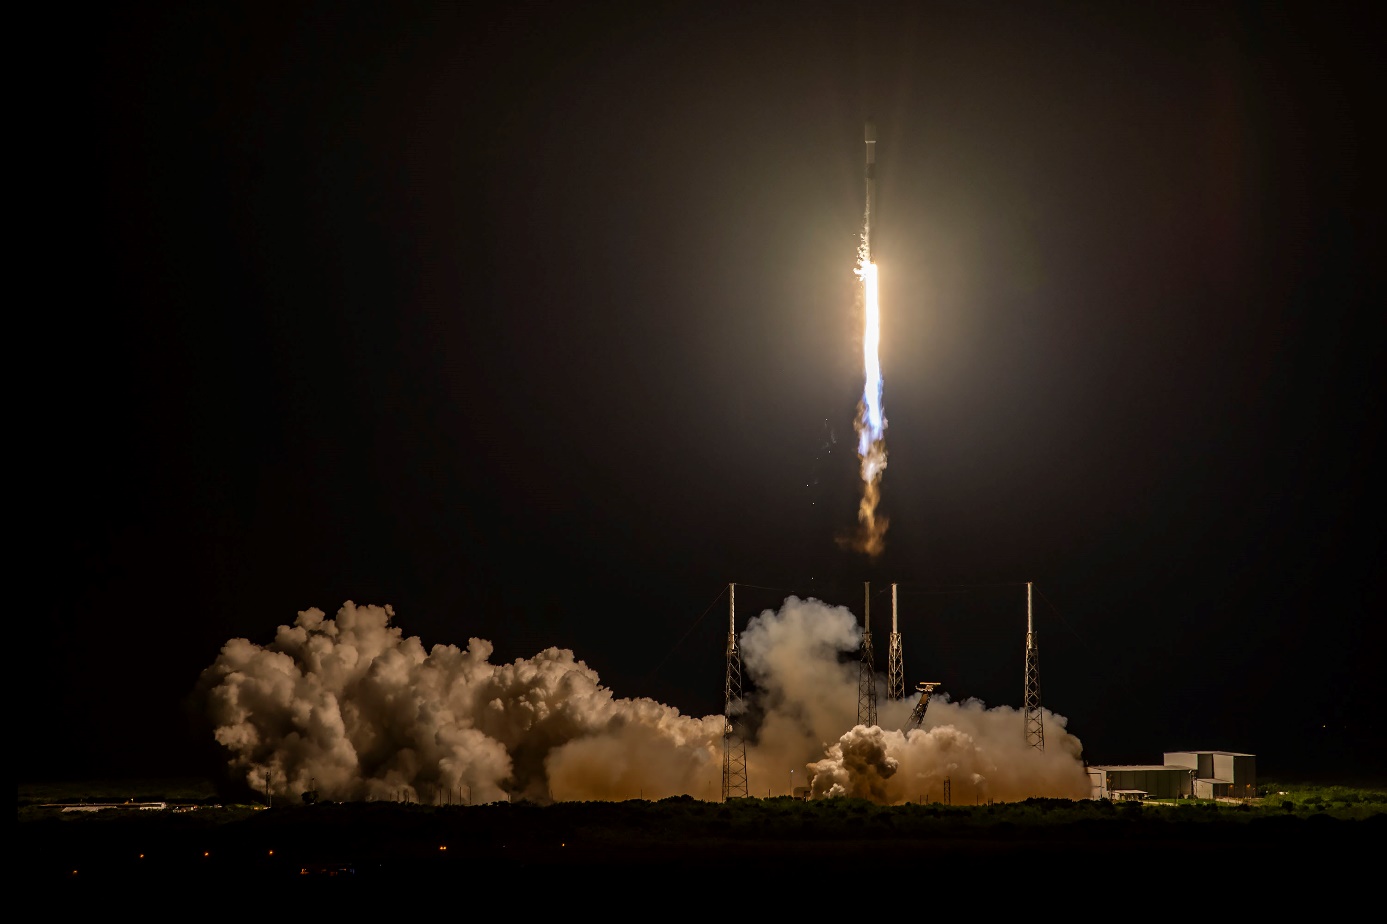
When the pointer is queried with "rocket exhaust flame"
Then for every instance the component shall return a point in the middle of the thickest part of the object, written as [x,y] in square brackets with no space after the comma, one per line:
[870,423]
[873,425]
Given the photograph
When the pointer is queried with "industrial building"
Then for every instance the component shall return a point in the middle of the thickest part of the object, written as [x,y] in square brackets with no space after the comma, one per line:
[1182,775]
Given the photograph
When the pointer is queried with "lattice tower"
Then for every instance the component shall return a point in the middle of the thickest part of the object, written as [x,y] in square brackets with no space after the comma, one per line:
[1035,725]
[734,783]
[866,676]
[895,657]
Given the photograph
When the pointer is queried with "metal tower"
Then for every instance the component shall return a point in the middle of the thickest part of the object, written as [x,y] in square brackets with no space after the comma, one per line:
[866,677]
[733,741]
[1035,727]
[917,715]
[895,658]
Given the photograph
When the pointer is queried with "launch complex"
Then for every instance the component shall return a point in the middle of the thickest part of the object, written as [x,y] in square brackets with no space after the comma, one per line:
[870,425]
[734,772]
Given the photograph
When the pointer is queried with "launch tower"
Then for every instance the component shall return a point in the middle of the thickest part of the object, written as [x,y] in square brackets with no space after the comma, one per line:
[895,657]
[1035,727]
[866,677]
[734,783]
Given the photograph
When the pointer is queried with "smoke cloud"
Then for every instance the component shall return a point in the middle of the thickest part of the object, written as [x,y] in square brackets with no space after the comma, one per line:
[352,707]
[803,662]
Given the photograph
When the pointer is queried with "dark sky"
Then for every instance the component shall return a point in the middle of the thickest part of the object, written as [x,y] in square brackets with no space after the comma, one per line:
[537,323]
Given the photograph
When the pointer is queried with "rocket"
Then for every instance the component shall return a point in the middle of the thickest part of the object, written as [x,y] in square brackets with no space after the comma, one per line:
[870,136]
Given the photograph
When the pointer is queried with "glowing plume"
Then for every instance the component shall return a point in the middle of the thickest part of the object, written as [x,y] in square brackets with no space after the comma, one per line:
[870,424]
[873,425]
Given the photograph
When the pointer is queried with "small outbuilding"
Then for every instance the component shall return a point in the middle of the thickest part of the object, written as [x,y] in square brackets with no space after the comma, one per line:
[1128,795]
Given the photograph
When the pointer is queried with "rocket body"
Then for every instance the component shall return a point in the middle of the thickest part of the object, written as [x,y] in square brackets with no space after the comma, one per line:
[870,137]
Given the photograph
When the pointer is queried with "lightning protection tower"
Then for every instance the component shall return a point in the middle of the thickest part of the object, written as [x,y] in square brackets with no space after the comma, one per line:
[1035,728]
[866,677]
[895,658]
[734,784]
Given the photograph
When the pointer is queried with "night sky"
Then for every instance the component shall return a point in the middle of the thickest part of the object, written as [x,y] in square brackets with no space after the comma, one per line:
[538,324]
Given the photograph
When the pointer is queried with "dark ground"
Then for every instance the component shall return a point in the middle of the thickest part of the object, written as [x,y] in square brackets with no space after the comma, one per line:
[1245,852]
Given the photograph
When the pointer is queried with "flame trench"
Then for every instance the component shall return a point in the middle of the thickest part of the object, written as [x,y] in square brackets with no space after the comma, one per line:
[870,424]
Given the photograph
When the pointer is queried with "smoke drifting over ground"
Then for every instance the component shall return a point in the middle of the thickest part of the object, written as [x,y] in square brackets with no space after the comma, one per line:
[351,706]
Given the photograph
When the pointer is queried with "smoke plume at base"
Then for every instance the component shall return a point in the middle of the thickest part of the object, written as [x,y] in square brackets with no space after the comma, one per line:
[802,659]
[353,708]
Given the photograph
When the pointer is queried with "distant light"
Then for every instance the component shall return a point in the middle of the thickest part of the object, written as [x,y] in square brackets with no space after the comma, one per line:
[206,854]
[272,853]
[141,856]
[444,847]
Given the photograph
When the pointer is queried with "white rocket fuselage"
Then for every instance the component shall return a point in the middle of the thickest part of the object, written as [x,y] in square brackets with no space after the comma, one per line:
[870,136]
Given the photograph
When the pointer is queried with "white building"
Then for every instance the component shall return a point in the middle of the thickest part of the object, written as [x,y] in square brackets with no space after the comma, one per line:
[1182,775]
[1127,782]
[1218,774]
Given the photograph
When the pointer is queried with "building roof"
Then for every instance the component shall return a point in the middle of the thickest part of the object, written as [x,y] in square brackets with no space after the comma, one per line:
[1224,753]
[1166,767]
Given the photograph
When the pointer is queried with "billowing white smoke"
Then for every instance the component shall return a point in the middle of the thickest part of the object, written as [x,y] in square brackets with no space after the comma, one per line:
[353,708]
[979,753]
[803,660]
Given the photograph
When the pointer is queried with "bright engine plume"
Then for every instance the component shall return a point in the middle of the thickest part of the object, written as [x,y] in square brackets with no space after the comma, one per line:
[870,423]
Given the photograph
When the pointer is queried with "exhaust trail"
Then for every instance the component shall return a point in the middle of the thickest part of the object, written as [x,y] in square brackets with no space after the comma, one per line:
[870,423]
